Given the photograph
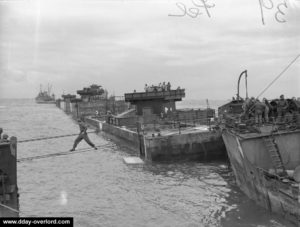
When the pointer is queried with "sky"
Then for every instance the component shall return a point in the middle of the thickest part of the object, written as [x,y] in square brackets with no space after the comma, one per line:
[125,44]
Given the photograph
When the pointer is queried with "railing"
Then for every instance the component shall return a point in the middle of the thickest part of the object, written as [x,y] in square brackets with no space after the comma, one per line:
[180,93]
[158,123]
[236,122]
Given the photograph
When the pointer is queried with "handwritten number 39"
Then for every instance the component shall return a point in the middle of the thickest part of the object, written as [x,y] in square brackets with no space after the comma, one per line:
[268,4]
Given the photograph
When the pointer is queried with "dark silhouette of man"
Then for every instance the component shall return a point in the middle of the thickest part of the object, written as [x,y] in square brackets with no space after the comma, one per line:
[282,106]
[4,139]
[259,109]
[82,135]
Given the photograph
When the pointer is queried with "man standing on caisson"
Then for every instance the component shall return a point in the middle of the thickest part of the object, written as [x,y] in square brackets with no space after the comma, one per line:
[82,135]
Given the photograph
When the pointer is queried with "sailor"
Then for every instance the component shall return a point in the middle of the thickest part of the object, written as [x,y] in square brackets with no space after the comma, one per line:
[267,110]
[164,86]
[259,108]
[168,86]
[82,135]
[282,106]
[1,130]
[146,88]
[4,139]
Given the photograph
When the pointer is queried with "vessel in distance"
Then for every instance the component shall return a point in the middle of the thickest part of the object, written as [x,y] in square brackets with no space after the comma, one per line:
[45,96]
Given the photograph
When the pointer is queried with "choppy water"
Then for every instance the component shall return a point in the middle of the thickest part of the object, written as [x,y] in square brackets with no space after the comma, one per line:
[98,189]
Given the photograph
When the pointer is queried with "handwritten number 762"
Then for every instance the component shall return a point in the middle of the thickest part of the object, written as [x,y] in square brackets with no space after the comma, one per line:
[268,4]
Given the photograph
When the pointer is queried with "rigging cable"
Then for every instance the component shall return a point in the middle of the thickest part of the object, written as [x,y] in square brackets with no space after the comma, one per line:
[280,74]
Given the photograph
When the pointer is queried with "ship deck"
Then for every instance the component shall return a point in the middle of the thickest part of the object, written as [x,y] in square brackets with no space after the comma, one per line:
[264,131]
[175,131]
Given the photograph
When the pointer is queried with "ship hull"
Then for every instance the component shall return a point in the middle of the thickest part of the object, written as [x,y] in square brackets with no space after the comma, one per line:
[9,199]
[251,161]
[45,102]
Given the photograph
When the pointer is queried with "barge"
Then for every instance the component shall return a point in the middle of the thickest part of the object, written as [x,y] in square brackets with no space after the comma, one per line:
[157,131]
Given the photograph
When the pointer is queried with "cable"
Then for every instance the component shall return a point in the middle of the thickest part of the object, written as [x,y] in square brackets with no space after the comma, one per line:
[7,207]
[51,137]
[280,74]
[59,153]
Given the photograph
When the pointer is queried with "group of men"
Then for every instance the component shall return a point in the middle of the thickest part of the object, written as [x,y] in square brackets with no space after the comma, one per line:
[4,137]
[262,110]
[161,87]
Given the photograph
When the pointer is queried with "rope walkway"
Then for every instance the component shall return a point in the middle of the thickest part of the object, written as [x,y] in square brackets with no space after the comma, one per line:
[51,137]
[60,153]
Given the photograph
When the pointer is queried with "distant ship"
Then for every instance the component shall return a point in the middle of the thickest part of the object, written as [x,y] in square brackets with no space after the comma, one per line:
[45,96]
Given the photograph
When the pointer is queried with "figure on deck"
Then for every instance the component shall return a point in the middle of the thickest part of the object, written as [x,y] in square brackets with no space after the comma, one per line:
[282,106]
[259,109]
[267,110]
[82,135]
[4,139]
[168,86]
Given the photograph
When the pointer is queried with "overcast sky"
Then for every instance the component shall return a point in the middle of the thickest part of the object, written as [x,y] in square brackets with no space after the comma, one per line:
[123,44]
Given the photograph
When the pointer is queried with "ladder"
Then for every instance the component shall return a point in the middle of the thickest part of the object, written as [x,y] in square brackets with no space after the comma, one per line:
[275,156]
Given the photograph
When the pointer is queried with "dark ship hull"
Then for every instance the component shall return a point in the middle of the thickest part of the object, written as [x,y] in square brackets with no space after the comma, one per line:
[43,101]
[253,168]
[9,201]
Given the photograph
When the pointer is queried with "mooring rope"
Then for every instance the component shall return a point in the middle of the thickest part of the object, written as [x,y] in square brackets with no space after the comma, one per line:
[16,211]
[8,207]
[51,137]
[60,153]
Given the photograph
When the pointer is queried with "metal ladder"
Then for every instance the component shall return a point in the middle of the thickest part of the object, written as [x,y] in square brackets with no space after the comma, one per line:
[275,156]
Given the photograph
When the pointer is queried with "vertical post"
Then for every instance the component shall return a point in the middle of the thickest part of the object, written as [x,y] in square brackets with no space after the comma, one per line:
[140,139]
[76,108]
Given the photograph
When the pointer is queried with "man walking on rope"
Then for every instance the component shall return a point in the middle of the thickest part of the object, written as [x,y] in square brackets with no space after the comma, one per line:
[82,135]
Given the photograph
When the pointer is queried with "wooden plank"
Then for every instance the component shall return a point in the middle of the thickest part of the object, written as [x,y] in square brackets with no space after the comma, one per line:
[133,160]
